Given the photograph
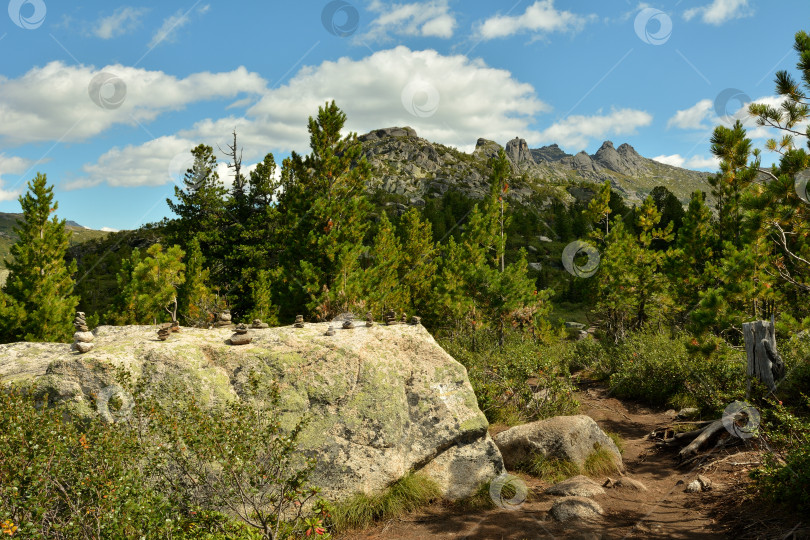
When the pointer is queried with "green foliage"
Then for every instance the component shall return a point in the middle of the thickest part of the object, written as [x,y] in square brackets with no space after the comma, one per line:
[600,462]
[550,469]
[409,493]
[37,301]
[500,376]
[148,286]
[383,287]
[198,305]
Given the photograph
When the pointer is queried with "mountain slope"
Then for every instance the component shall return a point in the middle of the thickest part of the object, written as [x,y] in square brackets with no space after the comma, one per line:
[408,165]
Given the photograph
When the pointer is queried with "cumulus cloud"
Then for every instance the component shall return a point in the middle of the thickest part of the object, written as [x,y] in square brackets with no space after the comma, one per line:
[122,21]
[54,102]
[576,132]
[425,19]
[12,165]
[171,25]
[719,11]
[541,18]
[448,99]
[704,115]
[694,116]
[694,162]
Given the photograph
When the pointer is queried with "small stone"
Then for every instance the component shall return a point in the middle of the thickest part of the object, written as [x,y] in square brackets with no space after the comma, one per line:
[330,331]
[688,412]
[84,337]
[175,326]
[299,321]
[369,319]
[404,318]
[705,483]
[163,333]
[82,346]
[224,319]
[578,486]
[390,317]
[630,483]
[416,320]
[348,324]
[241,329]
[81,327]
[241,339]
[257,323]
[581,508]
[693,487]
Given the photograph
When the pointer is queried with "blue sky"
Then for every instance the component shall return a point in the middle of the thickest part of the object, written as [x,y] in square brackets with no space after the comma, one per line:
[107,99]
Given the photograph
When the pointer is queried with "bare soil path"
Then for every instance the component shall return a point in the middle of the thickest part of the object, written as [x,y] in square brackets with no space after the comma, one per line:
[664,510]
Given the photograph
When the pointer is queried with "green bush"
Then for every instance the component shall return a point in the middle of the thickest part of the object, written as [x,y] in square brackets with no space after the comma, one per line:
[500,376]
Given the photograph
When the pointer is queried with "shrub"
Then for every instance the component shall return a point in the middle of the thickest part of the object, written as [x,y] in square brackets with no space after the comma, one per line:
[500,376]
[550,469]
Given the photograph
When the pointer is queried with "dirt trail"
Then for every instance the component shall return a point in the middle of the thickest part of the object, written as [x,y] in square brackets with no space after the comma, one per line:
[663,511]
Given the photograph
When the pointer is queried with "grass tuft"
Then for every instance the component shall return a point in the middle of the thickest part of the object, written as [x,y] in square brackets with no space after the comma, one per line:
[601,462]
[549,469]
[405,495]
[617,440]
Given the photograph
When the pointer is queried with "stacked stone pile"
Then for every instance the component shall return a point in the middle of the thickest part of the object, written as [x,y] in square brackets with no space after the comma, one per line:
[241,337]
[83,338]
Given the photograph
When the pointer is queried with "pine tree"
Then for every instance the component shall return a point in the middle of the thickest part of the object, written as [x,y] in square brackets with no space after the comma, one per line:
[325,220]
[419,260]
[198,305]
[261,294]
[383,287]
[38,294]
[598,212]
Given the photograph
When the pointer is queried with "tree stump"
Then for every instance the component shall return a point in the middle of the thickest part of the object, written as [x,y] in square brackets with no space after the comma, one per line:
[764,362]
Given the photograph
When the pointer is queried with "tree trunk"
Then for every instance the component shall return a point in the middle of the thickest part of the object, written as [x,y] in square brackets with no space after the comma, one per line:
[764,362]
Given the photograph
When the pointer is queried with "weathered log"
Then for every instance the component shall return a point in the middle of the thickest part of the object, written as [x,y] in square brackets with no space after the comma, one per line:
[701,439]
[764,362]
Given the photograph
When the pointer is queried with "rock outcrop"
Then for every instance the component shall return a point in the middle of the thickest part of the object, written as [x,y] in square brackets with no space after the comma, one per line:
[383,400]
[572,438]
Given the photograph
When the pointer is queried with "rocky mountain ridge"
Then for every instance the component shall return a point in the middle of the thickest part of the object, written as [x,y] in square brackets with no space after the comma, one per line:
[408,165]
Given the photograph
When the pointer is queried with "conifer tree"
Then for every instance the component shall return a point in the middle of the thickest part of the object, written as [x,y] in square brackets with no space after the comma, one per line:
[325,220]
[261,295]
[384,288]
[419,260]
[197,303]
[598,212]
[38,295]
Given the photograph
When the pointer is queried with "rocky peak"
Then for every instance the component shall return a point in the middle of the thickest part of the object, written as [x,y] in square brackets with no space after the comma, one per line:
[486,148]
[388,132]
[548,153]
[518,152]
[608,157]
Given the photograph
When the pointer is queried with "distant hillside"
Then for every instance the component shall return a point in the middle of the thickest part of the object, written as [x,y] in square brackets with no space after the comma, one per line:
[407,165]
[7,236]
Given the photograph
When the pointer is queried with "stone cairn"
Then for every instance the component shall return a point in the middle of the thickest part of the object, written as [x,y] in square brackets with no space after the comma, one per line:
[241,337]
[257,323]
[224,319]
[330,331]
[164,330]
[369,320]
[83,338]
[390,317]
[299,321]
[348,324]
[416,320]
[404,318]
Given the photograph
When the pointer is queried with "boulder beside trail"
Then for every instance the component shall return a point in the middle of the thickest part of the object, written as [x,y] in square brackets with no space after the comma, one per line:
[382,400]
[577,486]
[572,438]
[579,508]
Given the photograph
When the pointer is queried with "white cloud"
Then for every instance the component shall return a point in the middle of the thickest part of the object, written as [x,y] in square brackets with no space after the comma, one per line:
[173,23]
[425,19]
[123,20]
[694,116]
[719,11]
[694,162]
[53,102]
[540,17]
[12,165]
[109,229]
[472,100]
[575,132]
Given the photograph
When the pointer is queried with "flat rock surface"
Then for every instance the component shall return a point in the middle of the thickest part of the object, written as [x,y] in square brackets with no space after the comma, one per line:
[579,508]
[578,486]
